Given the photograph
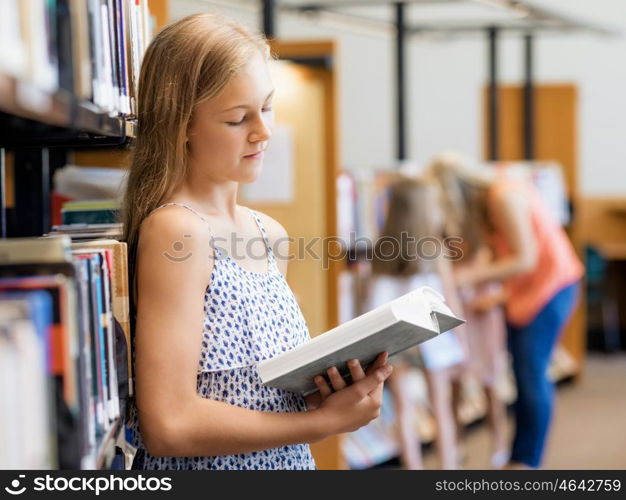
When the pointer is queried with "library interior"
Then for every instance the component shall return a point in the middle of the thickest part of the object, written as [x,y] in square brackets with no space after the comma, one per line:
[472,147]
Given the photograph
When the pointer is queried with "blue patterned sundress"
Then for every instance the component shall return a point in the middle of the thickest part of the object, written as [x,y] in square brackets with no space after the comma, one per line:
[248,317]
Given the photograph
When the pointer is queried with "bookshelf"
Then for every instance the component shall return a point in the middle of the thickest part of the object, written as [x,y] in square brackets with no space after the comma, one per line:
[105,447]
[68,72]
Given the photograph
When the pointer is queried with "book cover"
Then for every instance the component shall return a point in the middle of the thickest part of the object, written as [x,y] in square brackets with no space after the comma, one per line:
[407,321]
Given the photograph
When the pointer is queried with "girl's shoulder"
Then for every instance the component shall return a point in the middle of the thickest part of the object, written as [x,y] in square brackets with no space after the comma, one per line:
[173,230]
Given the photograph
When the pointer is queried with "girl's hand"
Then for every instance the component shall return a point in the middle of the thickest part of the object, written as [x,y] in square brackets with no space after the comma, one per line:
[484,302]
[464,275]
[350,407]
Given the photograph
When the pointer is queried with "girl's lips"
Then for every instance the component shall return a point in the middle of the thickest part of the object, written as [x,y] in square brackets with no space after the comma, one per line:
[255,155]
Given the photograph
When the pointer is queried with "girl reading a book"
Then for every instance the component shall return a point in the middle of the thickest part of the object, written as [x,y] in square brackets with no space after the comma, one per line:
[204,315]
[539,270]
[413,228]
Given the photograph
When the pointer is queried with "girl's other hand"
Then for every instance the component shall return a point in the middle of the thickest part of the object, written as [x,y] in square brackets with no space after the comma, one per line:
[486,301]
[464,275]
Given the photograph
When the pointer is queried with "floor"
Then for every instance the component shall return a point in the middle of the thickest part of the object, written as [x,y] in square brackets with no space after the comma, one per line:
[589,426]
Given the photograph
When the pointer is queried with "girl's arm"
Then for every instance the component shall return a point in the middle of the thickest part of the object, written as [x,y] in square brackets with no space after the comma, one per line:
[511,217]
[174,268]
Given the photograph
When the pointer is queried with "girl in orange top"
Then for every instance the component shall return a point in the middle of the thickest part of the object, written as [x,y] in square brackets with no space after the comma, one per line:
[539,271]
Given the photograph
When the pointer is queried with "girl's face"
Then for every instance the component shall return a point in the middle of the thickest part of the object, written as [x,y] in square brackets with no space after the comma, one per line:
[228,133]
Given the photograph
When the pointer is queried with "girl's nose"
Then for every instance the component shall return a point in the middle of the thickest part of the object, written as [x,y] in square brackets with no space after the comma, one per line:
[262,131]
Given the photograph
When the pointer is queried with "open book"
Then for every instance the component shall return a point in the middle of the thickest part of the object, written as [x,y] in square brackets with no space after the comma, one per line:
[404,322]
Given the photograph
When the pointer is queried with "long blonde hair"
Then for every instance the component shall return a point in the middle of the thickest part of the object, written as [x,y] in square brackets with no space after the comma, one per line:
[188,62]
[409,211]
[464,198]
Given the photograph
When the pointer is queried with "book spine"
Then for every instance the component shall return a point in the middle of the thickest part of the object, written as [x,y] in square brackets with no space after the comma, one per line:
[50,57]
[122,57]
[88,216]
[79,19]
[89,355]
[110,334]
[110,90]
[64,37]
[114,55]
[98,367]
[96,46]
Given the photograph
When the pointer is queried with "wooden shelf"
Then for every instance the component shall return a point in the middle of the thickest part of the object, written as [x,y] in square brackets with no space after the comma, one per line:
[56,107]
[66,117]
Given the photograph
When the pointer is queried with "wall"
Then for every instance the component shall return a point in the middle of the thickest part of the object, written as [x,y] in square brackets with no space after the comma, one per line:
[445,80]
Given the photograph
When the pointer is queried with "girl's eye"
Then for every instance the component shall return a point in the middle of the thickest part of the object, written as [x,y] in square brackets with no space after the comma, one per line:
[233,124]
[237,123]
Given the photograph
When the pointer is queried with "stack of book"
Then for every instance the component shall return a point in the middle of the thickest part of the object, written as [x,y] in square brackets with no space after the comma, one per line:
[88,232]
[89,48]
[61,377]
[90,212]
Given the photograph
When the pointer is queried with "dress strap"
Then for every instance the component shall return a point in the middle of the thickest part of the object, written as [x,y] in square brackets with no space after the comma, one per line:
[259,224]
[191,209]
